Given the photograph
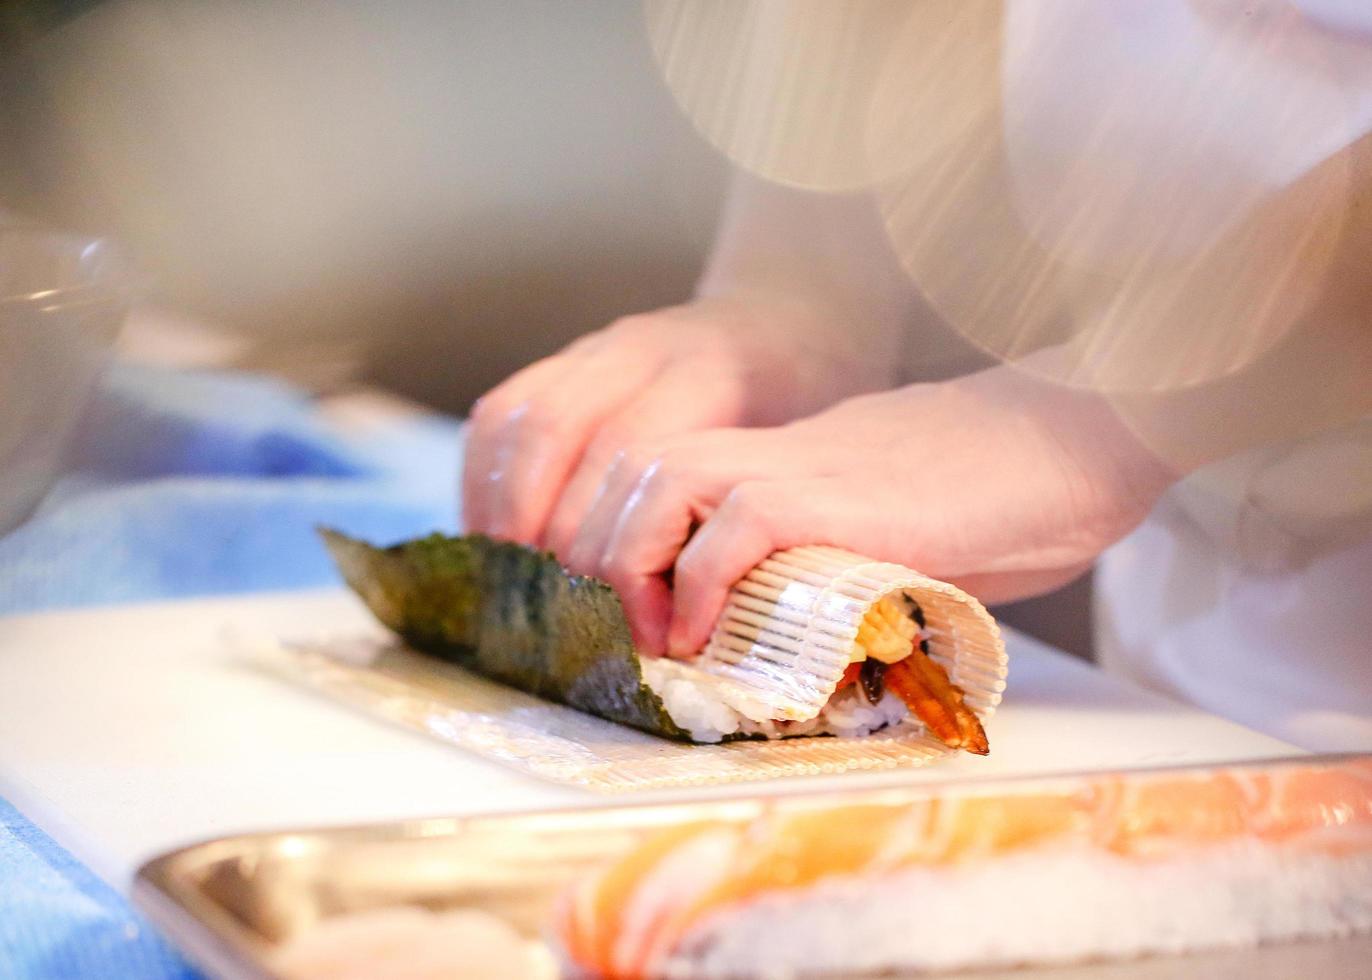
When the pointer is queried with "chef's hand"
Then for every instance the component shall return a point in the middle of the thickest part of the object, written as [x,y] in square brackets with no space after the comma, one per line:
[540,443]
[1005,485]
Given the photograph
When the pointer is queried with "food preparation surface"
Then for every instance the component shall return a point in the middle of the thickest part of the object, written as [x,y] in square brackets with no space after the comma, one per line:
[127,731]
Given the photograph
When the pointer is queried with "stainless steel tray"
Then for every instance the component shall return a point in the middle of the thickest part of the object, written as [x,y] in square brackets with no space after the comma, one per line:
[228,902]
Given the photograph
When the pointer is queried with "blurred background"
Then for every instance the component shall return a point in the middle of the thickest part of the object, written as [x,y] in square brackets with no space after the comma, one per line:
[423,196]
[439,192]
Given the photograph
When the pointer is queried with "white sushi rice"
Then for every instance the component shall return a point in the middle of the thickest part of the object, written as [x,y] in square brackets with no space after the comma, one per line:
[1051,906]
[700,706]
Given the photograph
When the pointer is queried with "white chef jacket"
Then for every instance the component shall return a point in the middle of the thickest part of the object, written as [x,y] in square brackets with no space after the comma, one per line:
[1248,591]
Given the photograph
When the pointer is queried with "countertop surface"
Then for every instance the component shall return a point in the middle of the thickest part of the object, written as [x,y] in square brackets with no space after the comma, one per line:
[127,731]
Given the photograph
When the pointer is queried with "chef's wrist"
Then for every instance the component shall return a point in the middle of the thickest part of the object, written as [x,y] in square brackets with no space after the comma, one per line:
[1088,432]
[801,354]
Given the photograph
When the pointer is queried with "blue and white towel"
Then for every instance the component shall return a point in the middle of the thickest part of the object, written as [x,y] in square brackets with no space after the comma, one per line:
[186,484]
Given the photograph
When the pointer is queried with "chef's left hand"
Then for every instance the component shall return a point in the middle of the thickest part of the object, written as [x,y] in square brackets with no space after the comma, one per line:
[1005,485]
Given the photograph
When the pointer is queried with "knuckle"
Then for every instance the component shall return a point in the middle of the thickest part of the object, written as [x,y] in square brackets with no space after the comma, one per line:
[662,469]
[614,436]
[675,462]
[635,459]
[671,461]
[587,343]
[691,567]
[748,501]
[634,323]
[537,418]
[490,407]
[670,473]
[637,332]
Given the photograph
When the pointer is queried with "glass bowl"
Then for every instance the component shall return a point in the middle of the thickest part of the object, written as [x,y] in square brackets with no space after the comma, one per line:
[63,299]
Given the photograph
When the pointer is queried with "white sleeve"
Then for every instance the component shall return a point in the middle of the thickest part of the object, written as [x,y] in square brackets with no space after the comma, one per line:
[829,249]
[832,252]
[1284,91]
[1352,17]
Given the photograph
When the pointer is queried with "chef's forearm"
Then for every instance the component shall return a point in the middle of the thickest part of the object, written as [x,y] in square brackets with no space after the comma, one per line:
[826,251]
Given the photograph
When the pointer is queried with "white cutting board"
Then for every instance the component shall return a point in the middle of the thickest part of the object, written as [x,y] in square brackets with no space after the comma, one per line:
[127,731]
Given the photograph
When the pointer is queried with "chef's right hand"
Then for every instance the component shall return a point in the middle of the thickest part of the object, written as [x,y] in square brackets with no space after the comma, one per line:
[540,444]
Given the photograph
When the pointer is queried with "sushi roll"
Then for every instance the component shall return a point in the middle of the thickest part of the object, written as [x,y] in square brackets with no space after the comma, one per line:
[1112,866]
[820,641]
[814,641]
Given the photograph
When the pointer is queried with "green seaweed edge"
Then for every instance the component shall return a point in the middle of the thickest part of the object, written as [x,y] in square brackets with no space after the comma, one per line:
[510,613]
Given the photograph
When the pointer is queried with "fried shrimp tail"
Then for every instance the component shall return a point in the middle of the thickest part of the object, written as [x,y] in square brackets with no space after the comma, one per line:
[926,690]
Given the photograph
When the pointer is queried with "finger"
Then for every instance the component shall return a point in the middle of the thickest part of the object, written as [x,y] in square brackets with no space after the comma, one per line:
[680,491]
[487,421]
[651,601]
[755,519]
[543,439]
[652,526]
[586,485]
[652,494]
[670,406]
[630,466]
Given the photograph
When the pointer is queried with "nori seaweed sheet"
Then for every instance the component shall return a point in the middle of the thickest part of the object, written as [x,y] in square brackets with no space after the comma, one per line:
[511,613]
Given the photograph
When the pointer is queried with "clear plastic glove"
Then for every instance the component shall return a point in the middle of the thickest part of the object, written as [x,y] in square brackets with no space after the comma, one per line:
[539,444]
[1005,485]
